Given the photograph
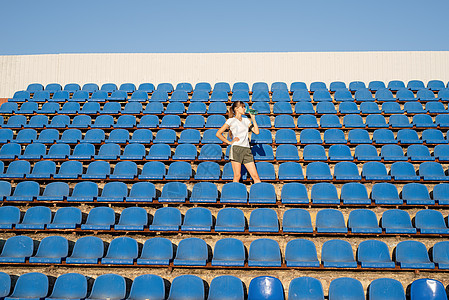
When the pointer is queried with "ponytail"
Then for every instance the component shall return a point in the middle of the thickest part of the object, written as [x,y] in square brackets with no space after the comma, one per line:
[231,110]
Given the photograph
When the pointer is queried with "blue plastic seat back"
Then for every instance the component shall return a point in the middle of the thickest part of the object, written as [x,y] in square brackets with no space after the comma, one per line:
[70,286]
[324,191]
[346,288]
[203,86]
[108,286]
[226,287]
[363,219]
[263,219]
[31,285]
[87,248]
[294,192]
[265,287]
[314,152]
[187,287]
[126,169]
[416,192]
[147,87]
[98,169]
[262,192]
[191,250]
[430,289]
[431,220]
[156,250]
[318,171]
[26,189]
[229,252]
[167,216]
[264,252]
[234,191]
[127,87]
[55,191]
[109,87]
[115,189]
[101,216]
[123,248]
[230,219]
[396,219]
[374,253]
[197,218]
[147,286]
[385,192]
[296,220]
[412,252]
[297,86]
[85,189]
[330,121]
[305,288]
[9,215]
[354,192]
[435,85]
[17,247]
[52,247]
[301,253]
[306,121]
[179,170]
[68,216]
[330,219]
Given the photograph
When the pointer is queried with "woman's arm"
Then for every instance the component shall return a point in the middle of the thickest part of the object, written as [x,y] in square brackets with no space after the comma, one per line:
[255,127]
[220,132]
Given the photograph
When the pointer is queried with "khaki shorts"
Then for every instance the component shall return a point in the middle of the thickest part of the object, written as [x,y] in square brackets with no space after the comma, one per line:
[241,154]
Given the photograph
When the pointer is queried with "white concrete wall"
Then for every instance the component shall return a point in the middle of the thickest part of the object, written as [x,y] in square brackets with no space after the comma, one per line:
[16,72]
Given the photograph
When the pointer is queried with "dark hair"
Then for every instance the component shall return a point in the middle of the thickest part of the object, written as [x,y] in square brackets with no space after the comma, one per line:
[231,111]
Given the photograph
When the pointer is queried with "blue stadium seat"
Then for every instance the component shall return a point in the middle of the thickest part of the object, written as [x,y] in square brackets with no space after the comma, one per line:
[348,108]
[403,171]
[147,286]
[175,108]
[94,136]
[404,94]
[356,85]
[26,136]
[84,191]
[191,252]
[374,170]
[324,193]
[127,87]
[58,151]
[399,121]
[263,220]
[197,219]
[124,170]
[142,192]
[240,96]
[35,218]
[20,96]
[425,95]
[207,171]
[433,136]
[166,219]
[83,152]
[294,192]
[156,251]
[346,288]
[52,249]
[287,152]
[334,136]
[408,136]
[185,152]
[125,121]
[414,108]
[264,137]
[148,121]
[397,221]
[59,121]
[259,86]
[301,95]
[430,221]
[229,252]
[25,191]
[153,108]
[219,96]
[304,108]
[290,171]
[358,136]
[174,192]
[301,253]
[413,255]
[427,289]
[265,287]
[395,85]
[159,152]
[159,96]
[340,152]
[147,87]
[9,215]
[310,136]
[48,136]
[43,170]
[114,191]
[262,192]
[210,152]
[230,219]
[374,254]
[298,86]
[204,192]
[97,170]
[443,95]
[392,108]
[30,286]
[200,95]
[330,220]
[336,85]
[436,108]
[121,251]
[363,221]
[180,170]
[354,193]
[302,288]
[392,153]
[416,193]
[209,137]
[318,171]
[362,95]
[80,96]
[16,249]
[10,151]
[415,85]
[67,108]
[170,121]
[17,169]
[296,220]
[107,152]
[99,96]
[440,254]
[196,108]
[419,153]
[423,121]
[226,287]
[87,250]
[118,96]
[263,121]
[376,121]
[321,95]
[441,193]
[8,107]
[187,286]
[330,121]
[108,87]
[92,108]
[81,121]
[153,170]
[305,121]
[108,286]
[233,192]
[353,121]
[376,85]
[282,108]
[133,152]
[282,121]
[189,136]
[435,85]
[216,121]
[66,218]
[384,94]
[337,254]
[431,170]
[99,218]
[369,108]
[262,152]
[15,121]
[285,136]
[240,86]
[139,96]
[118,136]
[69,286]
[264,253]
[346,170]
[28,108]
[279,85]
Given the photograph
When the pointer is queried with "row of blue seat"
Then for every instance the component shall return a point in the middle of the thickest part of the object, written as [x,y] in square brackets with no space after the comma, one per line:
[360,221]
[136,108]
[414,85]
[420,121]
[228,252]
[148,286]
[400,171]
[232,192]
[299,95]
[189,152]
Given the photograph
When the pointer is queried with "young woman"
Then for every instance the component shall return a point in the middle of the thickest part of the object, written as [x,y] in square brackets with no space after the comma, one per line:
[240,152]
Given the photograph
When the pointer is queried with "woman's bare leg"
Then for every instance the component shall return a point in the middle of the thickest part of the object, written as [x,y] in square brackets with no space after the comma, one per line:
[251,168]
[237,169]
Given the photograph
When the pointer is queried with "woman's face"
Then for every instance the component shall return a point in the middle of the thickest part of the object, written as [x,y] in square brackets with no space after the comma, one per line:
[240,109]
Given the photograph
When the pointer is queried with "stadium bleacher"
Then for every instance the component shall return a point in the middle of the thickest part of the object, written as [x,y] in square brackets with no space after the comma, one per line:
[128,192]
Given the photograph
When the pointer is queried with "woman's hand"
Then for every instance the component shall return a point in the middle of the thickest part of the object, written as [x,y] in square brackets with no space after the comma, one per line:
[236,139]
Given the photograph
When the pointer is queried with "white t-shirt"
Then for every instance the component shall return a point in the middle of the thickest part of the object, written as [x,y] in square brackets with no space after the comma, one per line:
[240,129]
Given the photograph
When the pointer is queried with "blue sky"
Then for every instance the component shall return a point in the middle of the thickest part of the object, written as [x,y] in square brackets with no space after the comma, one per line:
[144,26]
